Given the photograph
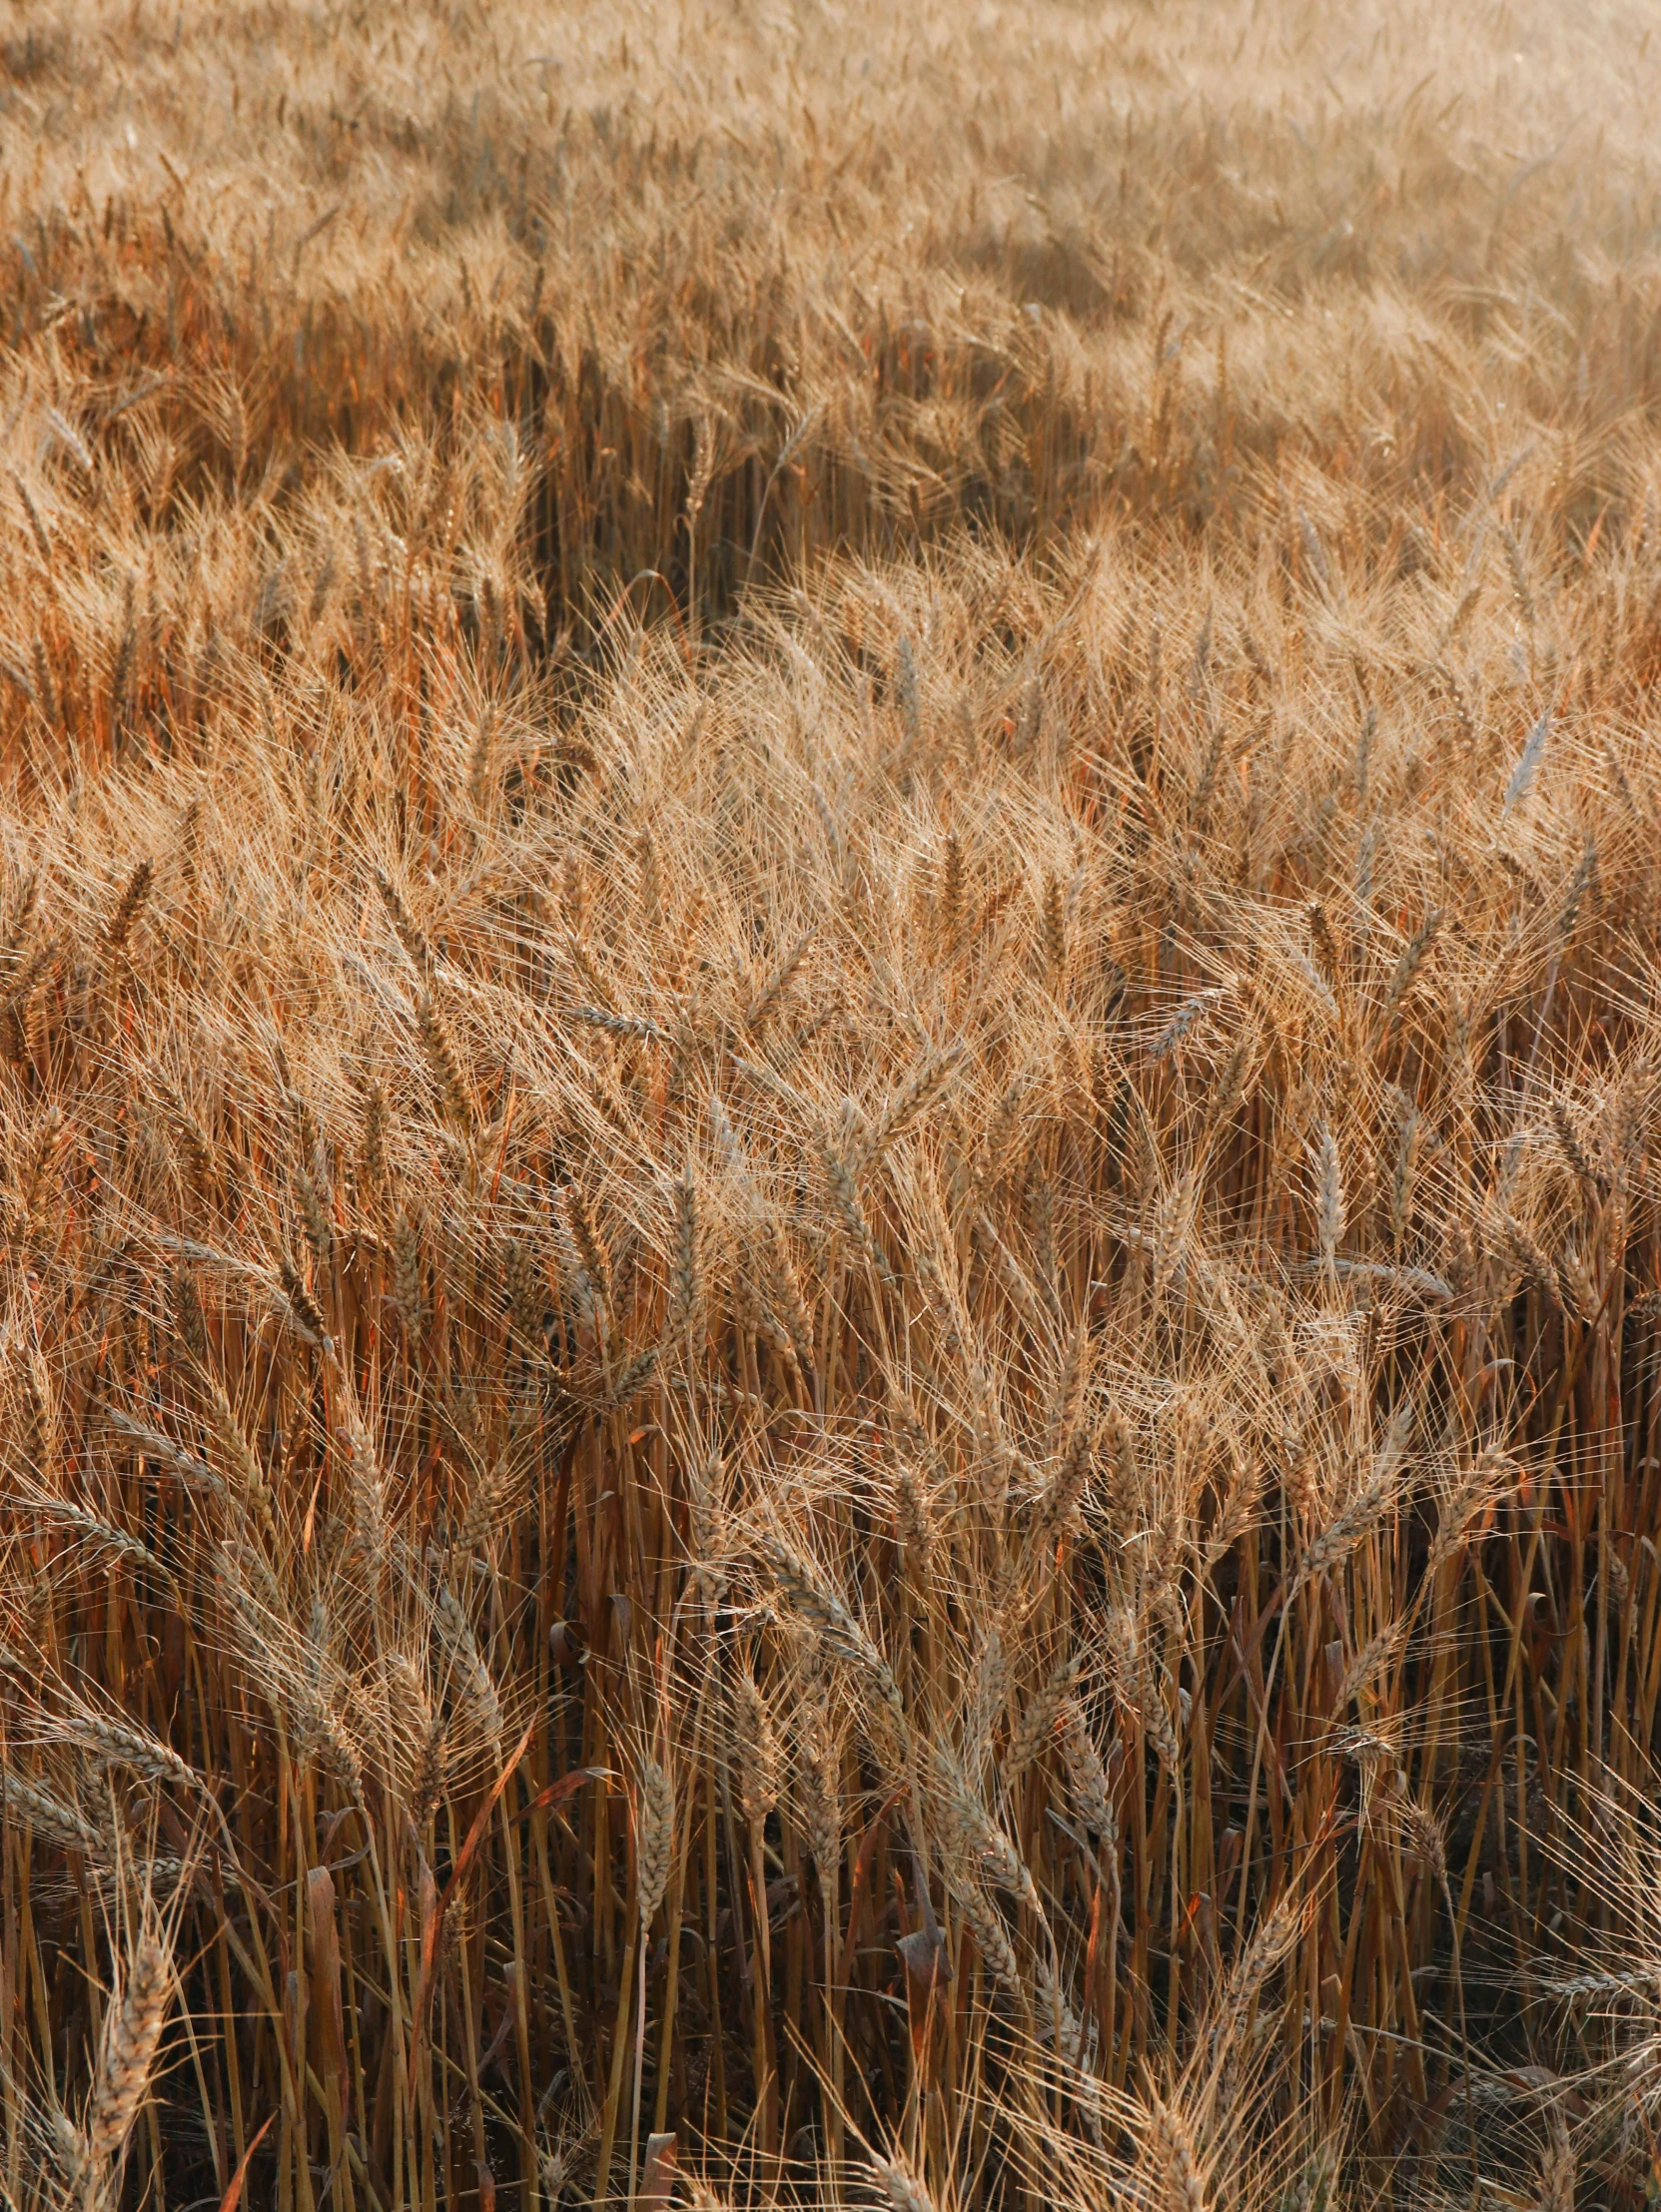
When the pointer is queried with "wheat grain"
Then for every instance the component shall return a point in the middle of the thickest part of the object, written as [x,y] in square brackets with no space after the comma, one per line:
[1037,1721]
[445,1062]
[905,2192]
[472,1676]
[1522,775]
[129,907]
[756,1749]
[27,1801]
[1329,1198]
[1170,2151]
[127,2053]
[1558,2169]
[656,1817]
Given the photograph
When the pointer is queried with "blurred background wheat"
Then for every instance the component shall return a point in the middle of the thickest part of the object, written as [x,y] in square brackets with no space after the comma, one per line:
[830,1283]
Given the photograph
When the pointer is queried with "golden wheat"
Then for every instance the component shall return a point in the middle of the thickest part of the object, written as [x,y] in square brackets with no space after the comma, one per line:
[829,1266]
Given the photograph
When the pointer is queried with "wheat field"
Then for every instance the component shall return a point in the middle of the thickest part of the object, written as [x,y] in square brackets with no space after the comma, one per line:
[830,1062]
